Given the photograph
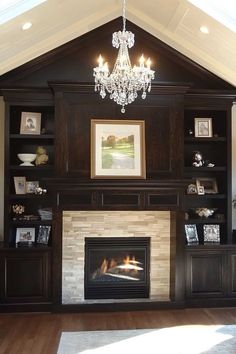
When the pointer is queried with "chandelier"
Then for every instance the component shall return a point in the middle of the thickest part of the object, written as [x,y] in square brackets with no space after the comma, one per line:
[124,82]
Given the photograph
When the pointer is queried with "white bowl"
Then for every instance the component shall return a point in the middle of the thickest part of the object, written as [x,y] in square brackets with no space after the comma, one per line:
[26,159]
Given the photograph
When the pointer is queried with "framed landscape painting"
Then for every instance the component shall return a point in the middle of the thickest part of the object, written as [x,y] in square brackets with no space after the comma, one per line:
[117,149]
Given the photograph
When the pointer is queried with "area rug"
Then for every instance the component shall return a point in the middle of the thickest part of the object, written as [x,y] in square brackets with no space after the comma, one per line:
[172,340]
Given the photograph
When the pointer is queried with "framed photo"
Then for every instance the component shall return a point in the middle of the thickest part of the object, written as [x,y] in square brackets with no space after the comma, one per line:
[43,234]
[191,234]
[200,190]
[211,233]
[25,235]
[209,184]
[117,149]
[20,185]
[192,189]
[31,186]
[203,127]
[30,123]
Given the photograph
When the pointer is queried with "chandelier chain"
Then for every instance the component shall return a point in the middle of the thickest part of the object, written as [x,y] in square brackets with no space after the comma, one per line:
[124,18]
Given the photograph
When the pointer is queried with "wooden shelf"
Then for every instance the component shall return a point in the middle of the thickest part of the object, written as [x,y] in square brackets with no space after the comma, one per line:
[31,136]
[28,196]
[28,168]
[35,247]
[205,196]
[204,140]
[204,221]
[205,169]
[30,222]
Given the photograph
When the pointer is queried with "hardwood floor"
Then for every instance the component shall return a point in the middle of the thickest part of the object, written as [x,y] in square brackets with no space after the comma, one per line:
[40,333]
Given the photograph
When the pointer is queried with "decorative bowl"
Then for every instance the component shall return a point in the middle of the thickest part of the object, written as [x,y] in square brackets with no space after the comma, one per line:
[26,159]
[205,212]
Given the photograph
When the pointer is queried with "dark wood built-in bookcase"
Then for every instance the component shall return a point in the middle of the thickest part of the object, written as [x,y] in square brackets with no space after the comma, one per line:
[59,86]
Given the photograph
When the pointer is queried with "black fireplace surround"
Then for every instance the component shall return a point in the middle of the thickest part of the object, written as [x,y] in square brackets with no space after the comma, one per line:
[117,267]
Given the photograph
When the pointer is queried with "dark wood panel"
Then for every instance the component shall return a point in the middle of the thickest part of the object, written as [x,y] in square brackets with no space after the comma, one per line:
[205,274]
[27,276]
[232,265]
[164,199]
[163,129]
[72,200]
[122,200]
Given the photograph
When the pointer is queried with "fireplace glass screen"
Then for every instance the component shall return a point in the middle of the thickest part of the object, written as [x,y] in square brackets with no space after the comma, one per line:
[117,267]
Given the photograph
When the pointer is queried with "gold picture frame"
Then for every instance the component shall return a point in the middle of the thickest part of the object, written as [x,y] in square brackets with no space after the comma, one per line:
[20,184]
[118,149]
[209,184]
[203,127]
[30,123]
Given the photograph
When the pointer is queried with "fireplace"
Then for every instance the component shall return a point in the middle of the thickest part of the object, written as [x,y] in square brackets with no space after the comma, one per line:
[117,268]
[82,225]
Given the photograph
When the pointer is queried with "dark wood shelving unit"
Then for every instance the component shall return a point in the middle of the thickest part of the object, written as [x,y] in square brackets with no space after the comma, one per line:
[35,259]
[59,85]
[205,259]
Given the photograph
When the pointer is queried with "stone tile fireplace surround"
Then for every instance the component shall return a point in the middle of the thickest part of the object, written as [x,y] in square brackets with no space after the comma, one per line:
[80,224]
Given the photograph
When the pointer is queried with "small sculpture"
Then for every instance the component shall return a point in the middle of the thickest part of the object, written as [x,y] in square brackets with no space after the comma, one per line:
[198,159]
[205,212]
[42,157]
[190,132]
[18,209]
[40,191]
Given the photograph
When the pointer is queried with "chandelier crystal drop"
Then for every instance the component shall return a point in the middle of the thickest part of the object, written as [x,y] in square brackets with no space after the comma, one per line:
[124,82]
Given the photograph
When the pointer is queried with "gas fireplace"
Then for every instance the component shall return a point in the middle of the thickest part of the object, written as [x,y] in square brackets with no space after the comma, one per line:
[117,267]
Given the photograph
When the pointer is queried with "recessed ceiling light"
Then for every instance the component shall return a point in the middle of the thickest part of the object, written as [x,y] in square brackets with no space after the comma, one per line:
[26,26]
[204,29]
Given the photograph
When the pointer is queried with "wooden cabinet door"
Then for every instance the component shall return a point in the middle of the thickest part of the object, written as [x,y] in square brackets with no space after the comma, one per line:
[206,274]
[27,276]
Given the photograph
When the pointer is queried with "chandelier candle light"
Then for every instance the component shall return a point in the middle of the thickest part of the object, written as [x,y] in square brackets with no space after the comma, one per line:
[124,82]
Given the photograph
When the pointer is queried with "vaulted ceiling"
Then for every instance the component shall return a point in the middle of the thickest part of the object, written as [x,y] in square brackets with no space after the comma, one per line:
[175,22]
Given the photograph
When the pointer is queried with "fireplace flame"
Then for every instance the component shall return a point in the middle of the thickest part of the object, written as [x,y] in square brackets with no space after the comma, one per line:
[129,268]
[104,266]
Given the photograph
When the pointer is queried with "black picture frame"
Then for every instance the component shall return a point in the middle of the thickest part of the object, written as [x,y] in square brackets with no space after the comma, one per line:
[191,234]
[43,234]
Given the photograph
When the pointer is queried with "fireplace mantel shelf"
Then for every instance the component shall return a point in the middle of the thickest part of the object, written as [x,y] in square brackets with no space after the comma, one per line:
[71,183]
[74,194]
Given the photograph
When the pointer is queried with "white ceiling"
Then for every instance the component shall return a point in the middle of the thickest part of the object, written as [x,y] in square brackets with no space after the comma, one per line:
[176,22]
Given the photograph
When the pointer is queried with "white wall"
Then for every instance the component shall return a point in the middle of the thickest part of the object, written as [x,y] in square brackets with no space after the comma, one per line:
[1,165]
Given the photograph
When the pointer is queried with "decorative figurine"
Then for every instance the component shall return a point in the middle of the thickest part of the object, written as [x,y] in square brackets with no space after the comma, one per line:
[18,210]
[198,159]
[190,132]
[205,212]
[40,191]
[42,157]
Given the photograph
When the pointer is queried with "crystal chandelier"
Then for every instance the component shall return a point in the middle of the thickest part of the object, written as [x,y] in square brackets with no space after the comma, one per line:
[124,82]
